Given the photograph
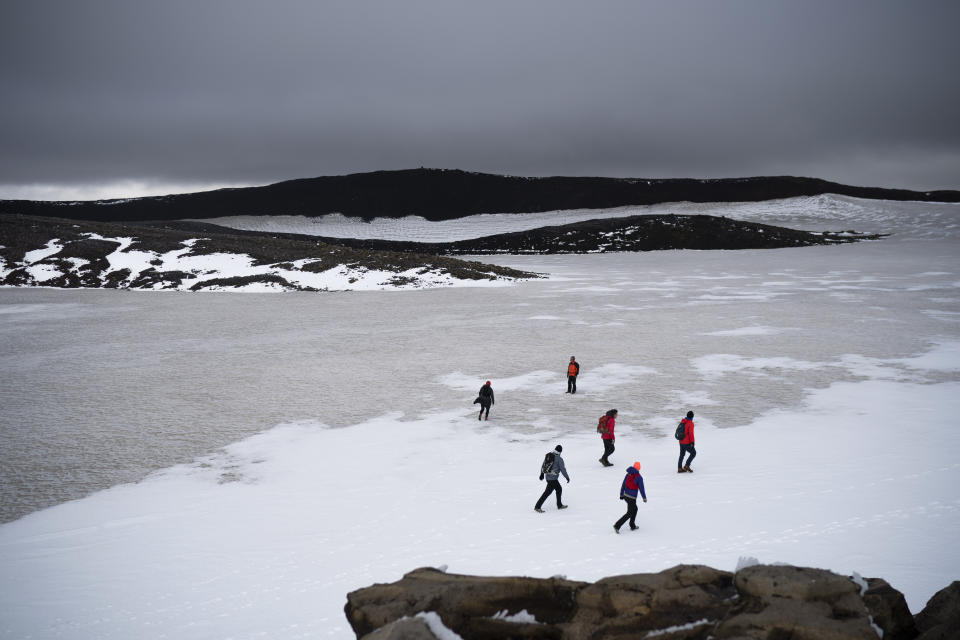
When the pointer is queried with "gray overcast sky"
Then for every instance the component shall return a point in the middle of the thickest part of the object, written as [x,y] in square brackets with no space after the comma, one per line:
[127,97]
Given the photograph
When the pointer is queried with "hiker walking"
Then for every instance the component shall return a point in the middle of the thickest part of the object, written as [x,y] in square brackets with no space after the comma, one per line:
[605,429]
[485,398]
[551,469]
[573,370]
[631,485]
[686,443]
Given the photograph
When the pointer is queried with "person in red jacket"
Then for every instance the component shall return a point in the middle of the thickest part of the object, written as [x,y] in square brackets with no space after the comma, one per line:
[686,444]
[605,429]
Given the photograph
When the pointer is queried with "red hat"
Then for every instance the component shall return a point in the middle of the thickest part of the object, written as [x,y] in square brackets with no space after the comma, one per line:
[636,465]
[488,382]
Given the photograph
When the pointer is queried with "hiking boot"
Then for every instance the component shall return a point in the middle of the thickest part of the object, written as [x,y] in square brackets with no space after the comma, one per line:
[562,506]
[688,469]
[615,530]
[538,510]
[487,418]
[633,527]
[607,464]
[680,470]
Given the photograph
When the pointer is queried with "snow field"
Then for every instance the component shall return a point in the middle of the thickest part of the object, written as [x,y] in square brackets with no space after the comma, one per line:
[265,538]
[856,472]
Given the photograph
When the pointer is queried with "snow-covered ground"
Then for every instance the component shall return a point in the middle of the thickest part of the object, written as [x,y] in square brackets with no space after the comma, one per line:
[826,383]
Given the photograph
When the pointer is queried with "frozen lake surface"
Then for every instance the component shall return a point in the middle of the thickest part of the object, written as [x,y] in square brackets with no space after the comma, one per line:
[103,388]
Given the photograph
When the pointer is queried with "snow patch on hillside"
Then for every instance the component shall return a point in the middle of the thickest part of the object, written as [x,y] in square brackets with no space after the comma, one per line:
[42,266]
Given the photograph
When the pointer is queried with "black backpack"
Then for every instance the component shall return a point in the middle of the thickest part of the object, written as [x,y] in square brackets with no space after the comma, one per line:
[680,432]
[547,465]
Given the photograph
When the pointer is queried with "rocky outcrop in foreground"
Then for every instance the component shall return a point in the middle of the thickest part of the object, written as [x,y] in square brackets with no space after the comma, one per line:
[770,602]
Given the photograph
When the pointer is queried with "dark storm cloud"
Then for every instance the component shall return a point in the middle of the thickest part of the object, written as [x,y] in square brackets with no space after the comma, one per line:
[253,92]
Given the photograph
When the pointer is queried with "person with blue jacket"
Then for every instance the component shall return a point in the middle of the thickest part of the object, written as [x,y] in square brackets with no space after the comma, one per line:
[631,486]
[552,474]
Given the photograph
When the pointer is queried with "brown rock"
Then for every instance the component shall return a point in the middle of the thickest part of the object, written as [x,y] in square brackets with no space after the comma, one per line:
[688,602]
[889,610]
[940,619]
[624,606]
[796,603]
[458,599]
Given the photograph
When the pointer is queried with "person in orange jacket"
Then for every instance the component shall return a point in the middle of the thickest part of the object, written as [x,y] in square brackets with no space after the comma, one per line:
[686,444]
[573,370]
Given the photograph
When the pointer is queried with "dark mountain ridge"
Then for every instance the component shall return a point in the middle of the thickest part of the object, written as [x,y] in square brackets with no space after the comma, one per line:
[441,194]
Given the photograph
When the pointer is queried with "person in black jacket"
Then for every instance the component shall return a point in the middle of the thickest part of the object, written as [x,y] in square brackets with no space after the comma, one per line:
[485,398]
[552,474]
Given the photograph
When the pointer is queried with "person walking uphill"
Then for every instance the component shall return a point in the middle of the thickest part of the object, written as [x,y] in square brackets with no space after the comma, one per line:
[573,370]
[686,444]
[605,429]
[552,468]
[632,484]
[485,398]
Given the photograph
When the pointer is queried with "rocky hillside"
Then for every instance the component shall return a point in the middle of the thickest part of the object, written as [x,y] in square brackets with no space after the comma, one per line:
[192,256]
[438,194]
[688,602]
[69,254]
[632,233]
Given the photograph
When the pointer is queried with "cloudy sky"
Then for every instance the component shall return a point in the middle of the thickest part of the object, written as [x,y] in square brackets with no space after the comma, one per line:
[110,98]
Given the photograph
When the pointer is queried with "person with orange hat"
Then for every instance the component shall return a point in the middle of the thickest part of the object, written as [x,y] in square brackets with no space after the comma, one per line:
[485,398]
[631,486]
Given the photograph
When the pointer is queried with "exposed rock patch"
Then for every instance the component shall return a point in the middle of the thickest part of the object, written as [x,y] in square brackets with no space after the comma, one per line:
[940,619]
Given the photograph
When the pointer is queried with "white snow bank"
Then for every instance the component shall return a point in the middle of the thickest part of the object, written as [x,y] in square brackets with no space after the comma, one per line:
[268,536]
[437,628]
[53,247]
[523,616]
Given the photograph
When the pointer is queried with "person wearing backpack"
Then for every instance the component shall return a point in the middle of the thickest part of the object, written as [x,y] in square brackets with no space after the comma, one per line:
[573,370]
[685,435]
[605,429]
[485,398]
[551,469]
[632,485]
